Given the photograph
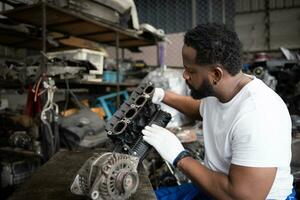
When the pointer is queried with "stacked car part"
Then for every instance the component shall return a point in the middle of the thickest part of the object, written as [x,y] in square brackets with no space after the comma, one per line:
[113,175]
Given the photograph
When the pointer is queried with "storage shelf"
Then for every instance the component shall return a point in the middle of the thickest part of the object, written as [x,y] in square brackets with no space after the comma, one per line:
[14,84]
[78,25]
[22,40]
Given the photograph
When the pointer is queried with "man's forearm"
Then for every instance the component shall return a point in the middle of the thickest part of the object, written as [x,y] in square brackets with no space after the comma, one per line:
[215,184]
[184,104]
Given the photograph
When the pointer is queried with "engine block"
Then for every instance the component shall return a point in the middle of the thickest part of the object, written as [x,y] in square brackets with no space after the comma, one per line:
[126,125]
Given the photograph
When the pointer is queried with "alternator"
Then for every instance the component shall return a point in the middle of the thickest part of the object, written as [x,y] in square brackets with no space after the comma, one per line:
[107,176]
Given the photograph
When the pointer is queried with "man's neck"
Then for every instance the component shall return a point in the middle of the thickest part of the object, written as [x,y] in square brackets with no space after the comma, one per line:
[231,86]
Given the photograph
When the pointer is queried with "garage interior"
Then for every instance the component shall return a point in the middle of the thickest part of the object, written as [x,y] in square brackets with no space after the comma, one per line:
[71,78]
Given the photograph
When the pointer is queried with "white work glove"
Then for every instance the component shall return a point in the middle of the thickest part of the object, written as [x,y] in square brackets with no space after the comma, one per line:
[164,141]
[158,95]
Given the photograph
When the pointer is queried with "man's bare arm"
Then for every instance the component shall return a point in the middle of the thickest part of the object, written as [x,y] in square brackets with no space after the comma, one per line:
[184,104]
[242,182]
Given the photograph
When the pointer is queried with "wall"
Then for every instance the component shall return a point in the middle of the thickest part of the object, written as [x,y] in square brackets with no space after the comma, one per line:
[283,28]
[250,24]
[176,17]
[149,54]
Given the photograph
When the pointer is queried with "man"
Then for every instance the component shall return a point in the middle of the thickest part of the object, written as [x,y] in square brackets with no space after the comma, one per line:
[246,125]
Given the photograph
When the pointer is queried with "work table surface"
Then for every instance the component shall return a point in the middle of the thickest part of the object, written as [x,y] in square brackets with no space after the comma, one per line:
[52,181]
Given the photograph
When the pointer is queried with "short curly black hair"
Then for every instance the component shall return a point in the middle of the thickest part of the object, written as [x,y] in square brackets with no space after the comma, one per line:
[216,44]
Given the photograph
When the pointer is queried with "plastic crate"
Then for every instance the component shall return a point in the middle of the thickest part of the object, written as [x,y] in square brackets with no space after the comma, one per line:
[111,76]
[95,57]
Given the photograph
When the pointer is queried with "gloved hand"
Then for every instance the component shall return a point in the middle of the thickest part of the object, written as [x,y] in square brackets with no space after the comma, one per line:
[164,141]
[158,95]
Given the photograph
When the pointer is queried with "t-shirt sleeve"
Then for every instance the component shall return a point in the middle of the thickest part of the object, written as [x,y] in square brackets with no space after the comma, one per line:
[201,107]
[253,144]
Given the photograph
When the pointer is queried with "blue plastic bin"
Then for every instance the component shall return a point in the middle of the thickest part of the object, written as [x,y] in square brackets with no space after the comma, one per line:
[111,76]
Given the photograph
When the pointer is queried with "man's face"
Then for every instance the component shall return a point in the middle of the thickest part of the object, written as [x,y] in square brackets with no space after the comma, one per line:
[205,90]
[196,76]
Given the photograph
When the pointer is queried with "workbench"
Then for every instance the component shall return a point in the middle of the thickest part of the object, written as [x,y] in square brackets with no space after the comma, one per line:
[52,181]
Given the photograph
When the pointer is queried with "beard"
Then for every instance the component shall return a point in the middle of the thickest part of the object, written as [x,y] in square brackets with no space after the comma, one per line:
[205,90]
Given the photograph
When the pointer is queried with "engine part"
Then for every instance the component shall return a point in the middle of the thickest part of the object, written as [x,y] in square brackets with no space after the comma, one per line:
[265,76]
[107,176]
[126,124]
[259,72]
[77,127]
[3,104]
[295,162]
[20,139]
[283,77]
[15,169]
[49,119]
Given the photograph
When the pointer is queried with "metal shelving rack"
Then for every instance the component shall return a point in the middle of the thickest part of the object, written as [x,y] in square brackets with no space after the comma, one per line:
[67,23]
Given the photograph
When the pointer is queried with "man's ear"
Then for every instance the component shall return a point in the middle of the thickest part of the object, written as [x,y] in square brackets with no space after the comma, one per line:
[217,74]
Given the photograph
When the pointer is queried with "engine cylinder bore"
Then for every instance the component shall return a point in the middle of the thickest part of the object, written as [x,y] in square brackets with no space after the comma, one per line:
[140,101]
[149,89]
[130,113]
[119,127]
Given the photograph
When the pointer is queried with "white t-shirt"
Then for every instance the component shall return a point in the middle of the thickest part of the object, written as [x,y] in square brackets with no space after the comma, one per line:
[253,129]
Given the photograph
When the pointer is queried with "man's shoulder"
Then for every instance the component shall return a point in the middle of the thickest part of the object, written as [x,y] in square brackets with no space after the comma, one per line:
[264,97]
